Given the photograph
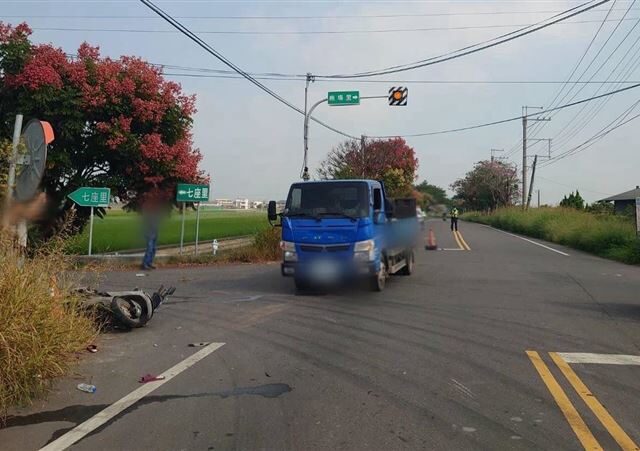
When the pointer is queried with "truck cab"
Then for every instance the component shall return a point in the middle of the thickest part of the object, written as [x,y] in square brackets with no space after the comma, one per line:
[339,230]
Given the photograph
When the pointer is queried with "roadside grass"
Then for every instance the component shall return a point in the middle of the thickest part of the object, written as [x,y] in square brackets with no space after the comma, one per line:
[608,236]
[41,324]
[120,230]
[264,248]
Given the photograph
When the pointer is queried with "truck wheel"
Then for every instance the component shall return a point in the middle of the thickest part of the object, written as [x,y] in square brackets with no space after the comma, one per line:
[302,285]
[379,281]
[408,268]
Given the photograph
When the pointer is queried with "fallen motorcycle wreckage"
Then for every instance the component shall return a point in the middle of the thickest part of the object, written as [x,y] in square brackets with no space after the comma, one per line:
[124,309]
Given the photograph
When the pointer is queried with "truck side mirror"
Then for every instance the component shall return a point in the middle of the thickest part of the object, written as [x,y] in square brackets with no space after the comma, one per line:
[271,211]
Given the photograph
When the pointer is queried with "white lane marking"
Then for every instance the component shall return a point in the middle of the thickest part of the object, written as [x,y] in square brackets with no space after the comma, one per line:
[450,249]
[117,407]
[529,241]
[604,359]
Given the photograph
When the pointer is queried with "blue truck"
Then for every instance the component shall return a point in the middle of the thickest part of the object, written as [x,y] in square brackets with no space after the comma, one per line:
[341,230]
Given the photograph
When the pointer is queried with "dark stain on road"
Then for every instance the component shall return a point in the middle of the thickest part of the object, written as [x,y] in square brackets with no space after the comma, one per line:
[79,413]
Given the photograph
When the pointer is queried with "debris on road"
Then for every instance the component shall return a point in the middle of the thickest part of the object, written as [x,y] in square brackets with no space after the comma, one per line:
[197,345]
[150,378]
[92,348]
[124,309]
[87,388]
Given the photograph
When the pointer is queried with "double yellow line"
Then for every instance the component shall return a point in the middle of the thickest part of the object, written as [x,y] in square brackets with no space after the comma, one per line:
[462,244]
[580,428]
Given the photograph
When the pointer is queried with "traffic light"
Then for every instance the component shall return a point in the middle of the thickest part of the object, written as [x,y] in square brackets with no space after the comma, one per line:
[398,96]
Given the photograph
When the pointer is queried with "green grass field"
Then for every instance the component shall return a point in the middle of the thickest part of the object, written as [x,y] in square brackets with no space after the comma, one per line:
[608,236]
[121,231]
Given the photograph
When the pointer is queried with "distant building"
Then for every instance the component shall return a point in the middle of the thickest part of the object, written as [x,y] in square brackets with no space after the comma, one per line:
[280,205]
[623,201]
[242,204]
[257,204]
[223,203]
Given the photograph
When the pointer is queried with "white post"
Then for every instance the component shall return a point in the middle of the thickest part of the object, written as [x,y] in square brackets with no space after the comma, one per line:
[197,225]
[91,231]
[182,231]
[11,180]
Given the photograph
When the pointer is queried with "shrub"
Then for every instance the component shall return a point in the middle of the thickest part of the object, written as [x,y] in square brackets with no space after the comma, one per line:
[41,325]
[604,235]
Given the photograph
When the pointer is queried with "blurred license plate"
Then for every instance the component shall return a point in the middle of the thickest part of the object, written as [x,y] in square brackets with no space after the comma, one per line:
[325,270]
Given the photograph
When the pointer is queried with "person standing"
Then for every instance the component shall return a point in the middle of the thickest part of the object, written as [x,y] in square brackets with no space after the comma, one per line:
[454,218]
[151,225]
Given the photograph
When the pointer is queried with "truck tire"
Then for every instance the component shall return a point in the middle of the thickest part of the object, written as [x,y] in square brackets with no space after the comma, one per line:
[302,285]
[379,281]
[408,268]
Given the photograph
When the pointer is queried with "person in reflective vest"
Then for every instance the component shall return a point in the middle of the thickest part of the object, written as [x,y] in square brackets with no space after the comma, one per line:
[454,218]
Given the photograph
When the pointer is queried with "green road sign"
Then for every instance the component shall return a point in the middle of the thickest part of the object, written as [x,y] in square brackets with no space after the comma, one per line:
[192,193]
[88,196]
[338,98]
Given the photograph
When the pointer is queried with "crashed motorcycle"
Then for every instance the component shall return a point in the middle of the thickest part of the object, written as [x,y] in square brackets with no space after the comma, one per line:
[124,309]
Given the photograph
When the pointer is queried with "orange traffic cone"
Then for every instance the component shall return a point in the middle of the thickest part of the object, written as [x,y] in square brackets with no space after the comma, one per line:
[431,241]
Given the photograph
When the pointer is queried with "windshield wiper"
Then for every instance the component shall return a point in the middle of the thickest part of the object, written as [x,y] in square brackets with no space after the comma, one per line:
[338,213]
[300,215]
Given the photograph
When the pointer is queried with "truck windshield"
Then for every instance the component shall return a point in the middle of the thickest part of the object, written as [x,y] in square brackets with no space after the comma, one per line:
[327,199]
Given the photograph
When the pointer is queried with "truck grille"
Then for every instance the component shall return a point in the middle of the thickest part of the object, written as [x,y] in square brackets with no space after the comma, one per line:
[321,248]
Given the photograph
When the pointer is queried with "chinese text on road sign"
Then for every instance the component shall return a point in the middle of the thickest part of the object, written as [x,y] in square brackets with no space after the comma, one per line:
[192,193]
[91,197]
[337,98]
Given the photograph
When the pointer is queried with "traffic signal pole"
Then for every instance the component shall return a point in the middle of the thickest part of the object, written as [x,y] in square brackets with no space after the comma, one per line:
[305,171]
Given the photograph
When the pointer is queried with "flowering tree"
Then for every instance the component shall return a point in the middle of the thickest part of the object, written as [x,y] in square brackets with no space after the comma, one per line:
[491,184]
[118,123]
[389,160]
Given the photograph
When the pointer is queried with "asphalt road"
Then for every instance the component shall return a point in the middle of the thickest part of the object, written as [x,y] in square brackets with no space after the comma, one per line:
[437,362]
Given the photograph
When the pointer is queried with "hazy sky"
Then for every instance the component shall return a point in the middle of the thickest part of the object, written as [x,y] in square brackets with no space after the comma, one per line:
[252,144]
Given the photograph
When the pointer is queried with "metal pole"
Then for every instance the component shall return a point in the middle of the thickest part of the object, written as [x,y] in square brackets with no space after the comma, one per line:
[538,198]
[91,231]
[305,174]
[362,143]
[197,225]
[11,180]
[305,169]
[182,231]
[524,159]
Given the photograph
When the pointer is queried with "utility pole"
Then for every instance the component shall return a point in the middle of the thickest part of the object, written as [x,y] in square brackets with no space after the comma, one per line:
[538,198]
[533,176]
[525,118]
[362,146]
[492,152]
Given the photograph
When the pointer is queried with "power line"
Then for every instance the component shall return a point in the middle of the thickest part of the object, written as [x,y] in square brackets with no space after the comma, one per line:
[438,82]
[598,136]
[309,32]
[538,127]
[228,63]
[572,187]
[540,124]
[511,119]
[478,47]
[344,16]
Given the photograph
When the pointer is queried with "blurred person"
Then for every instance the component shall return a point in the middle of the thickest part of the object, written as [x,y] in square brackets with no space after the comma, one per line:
[151,216]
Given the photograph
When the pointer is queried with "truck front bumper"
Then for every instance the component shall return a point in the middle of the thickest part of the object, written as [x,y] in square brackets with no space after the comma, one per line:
[307,270]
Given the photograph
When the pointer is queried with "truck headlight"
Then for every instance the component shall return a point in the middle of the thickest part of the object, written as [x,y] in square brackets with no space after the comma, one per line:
[289,251]
[364,251]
